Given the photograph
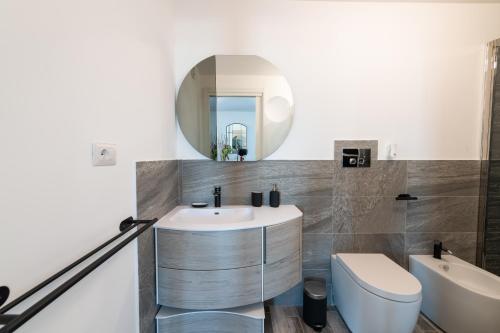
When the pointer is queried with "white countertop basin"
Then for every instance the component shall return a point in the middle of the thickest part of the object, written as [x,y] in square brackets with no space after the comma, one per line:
[226,217]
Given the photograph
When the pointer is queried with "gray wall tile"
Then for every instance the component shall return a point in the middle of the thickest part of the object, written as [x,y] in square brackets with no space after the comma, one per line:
[298,178]
[157,187]
[441,214]
[443,178]
[316,251]
[369,144]
[392,245]
[343,211]
[238,180]
[369,215]
[383,178]
[317,212]
[463,244]
[342,243]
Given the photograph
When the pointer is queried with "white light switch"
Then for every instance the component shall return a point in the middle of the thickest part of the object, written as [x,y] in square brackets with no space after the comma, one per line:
[103,154]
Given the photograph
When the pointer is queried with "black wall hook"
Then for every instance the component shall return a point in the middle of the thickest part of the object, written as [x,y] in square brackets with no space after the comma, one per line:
[130,221]
[406,197]
[4,294]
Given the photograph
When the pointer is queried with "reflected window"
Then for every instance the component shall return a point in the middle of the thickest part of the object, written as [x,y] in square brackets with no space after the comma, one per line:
[236,135]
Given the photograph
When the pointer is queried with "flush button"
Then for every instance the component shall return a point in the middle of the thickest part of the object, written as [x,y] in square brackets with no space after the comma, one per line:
[350,158]
[364,158]
[356,158]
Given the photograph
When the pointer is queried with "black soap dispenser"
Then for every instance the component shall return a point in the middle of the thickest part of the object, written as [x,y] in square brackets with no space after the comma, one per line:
[274,197]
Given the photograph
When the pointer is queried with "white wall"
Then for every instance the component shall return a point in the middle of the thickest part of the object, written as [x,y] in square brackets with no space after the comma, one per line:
[404,73]
[73,73]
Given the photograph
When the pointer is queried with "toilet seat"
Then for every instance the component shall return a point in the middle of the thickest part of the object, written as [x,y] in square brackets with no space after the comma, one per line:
[381,276]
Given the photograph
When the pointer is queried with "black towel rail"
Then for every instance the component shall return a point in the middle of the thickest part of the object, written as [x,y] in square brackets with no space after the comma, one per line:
[14,321]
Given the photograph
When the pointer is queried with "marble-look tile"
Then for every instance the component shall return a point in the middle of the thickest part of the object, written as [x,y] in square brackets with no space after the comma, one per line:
[297,178]
[316,251]
[146,251]
[359,144]
[147,310]
[157,184]
[237,180]
[317,212]
[368,215]
[147,282]
[443,178]
[463,244]
[442,214]
[342,214]
[392,245]
[342,243]
[383,178]
[197,177]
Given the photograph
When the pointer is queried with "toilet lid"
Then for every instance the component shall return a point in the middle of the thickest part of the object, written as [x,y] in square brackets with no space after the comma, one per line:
[381,276]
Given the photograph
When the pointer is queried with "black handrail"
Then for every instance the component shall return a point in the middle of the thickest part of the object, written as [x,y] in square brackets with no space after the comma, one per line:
[13,322]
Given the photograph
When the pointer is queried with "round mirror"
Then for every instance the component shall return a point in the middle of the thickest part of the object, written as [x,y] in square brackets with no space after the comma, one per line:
[235,108]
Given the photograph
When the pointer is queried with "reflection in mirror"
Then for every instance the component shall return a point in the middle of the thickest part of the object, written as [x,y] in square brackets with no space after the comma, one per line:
[235,108]
[236,135]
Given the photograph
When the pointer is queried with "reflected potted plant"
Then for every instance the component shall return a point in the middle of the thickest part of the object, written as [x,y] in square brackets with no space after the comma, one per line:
[226,150]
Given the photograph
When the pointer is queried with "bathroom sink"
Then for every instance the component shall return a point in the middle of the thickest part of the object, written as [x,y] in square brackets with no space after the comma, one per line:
[226,217]
[210,215]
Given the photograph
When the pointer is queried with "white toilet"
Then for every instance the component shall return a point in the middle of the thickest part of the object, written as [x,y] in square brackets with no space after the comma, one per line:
[373,294]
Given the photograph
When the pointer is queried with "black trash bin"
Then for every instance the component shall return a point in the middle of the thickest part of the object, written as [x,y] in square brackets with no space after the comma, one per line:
[314,311]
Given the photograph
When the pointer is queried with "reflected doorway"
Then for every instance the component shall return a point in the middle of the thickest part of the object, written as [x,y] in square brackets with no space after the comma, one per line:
[236,126]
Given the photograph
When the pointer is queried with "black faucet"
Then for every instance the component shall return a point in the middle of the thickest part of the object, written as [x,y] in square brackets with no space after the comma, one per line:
[438,248]
[217,196]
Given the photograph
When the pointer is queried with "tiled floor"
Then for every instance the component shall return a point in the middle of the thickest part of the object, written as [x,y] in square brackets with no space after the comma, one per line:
[280,319]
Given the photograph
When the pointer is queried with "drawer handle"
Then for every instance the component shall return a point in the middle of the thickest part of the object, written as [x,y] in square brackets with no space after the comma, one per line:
[264,247]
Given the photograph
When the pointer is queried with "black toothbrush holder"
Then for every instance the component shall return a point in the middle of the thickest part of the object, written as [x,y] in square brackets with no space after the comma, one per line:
[257,199]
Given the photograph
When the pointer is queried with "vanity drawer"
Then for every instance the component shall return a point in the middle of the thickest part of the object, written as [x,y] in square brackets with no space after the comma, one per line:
[206,250]
[210,321]
[282,240]
[202,290]
[282,275]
